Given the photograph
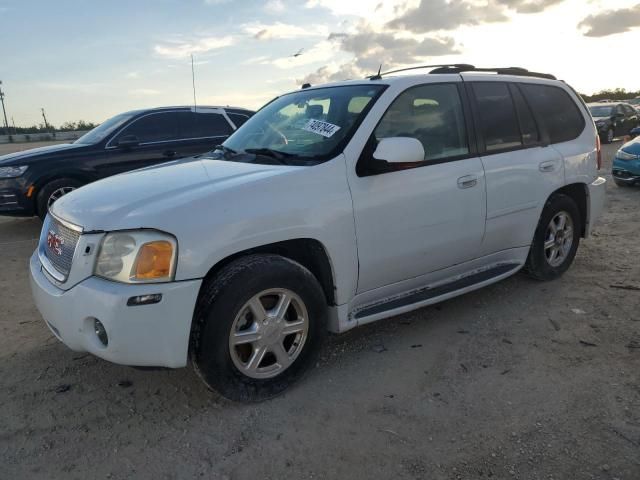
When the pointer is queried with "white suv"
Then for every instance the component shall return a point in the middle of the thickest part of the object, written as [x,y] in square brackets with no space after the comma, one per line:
[334,206]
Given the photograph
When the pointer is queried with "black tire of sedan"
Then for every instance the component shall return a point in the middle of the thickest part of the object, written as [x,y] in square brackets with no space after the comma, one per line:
[620,183]
[608,137]
[556,239]
[258,327]
[52,191]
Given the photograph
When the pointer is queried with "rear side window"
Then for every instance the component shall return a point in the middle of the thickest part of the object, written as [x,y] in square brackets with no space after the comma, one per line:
[157,127]
[554,107]
[528,127]
[497,115]
[238,119]
[431,114]
[208,125]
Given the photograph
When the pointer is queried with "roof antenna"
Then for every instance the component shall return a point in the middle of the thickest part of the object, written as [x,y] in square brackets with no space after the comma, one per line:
[193,82]
[377,76]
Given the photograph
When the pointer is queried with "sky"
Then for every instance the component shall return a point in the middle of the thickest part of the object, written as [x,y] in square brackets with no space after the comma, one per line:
[92,59]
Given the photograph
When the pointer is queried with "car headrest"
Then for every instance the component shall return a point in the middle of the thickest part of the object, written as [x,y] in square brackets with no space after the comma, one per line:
[314,111]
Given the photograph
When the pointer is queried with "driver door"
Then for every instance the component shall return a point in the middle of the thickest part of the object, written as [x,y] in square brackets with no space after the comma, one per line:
[413,221]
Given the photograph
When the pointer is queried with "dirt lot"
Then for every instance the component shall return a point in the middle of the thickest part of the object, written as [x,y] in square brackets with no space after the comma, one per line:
[520,380]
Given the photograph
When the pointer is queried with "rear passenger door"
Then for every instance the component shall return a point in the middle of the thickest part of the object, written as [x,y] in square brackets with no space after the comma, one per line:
[521,168]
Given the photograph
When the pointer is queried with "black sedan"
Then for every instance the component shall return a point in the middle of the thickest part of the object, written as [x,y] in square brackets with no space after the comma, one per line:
[30,181]
[613,119]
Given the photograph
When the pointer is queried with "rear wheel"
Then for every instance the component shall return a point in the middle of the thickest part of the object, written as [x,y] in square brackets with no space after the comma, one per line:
[556,239]
[258,327]
[620,183]
[53,191]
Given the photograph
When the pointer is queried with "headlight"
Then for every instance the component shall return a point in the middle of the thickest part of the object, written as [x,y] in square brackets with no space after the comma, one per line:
[12,172]
[141,256]
[622,155]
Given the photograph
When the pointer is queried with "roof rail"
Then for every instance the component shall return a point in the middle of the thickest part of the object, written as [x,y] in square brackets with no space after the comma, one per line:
[519,71]
[379,75]
[464,67]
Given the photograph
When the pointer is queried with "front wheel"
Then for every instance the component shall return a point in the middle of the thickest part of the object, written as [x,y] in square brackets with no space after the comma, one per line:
[556,239]
[53,191]
[609,136]
[258,327]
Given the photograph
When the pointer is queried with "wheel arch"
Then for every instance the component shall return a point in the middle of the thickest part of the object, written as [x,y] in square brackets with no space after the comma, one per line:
[579,193]
[308,252]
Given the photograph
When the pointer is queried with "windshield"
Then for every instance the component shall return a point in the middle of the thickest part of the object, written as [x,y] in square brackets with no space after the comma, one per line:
[105,128]
[634,101]
[601,111]
[303,127]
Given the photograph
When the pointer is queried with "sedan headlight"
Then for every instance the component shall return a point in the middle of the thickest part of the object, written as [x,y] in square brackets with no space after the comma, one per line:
[138,256]
[12,172]
[622,155]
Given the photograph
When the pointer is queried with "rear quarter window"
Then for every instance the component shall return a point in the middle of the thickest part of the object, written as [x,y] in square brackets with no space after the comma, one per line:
[556,110]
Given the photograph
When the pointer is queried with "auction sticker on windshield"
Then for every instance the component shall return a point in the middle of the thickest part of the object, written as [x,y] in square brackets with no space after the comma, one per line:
[325,129]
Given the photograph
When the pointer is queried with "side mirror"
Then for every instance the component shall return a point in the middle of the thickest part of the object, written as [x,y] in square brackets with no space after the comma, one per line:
[128,141]
[399,150]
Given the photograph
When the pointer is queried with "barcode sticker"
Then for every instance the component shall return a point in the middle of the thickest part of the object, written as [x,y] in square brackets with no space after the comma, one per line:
[325,129]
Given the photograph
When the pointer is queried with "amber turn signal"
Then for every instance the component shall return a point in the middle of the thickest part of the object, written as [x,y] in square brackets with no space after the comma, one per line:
[154,261]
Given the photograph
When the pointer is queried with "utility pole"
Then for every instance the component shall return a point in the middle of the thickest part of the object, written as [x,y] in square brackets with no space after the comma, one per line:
[6,124]
[46,124]
[15,132]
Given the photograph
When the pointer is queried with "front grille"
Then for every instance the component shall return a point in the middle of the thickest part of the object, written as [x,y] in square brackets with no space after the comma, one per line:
[59,245]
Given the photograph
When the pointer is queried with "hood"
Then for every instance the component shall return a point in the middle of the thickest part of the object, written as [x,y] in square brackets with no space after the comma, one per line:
[28,156]
[632,147]
[149,197]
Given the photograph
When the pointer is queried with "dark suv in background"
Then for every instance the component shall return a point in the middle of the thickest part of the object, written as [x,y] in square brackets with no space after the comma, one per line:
[613,119]
[30,181]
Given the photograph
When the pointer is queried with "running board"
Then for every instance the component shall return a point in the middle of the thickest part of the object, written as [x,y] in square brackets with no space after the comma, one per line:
[428,293]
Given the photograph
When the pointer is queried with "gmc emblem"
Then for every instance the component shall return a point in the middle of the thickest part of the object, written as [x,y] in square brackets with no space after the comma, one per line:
[55,242]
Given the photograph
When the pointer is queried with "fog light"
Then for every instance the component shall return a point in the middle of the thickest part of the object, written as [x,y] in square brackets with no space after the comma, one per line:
[101,333]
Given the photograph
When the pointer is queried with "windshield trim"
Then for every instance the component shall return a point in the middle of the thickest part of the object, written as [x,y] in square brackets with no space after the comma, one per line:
[340,146]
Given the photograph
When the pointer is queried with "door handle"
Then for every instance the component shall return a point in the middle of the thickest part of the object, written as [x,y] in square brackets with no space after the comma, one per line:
[547,166]
[169,153]
[467,181]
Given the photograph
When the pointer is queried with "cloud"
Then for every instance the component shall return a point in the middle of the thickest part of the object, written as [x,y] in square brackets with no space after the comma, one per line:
[372,48]
[279,30]
[274,6]
[320,52]
[144,92]
[611,22]
[183,48]
[433,15]
[333,73]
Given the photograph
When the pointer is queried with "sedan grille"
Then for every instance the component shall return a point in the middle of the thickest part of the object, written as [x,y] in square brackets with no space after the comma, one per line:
[59,245]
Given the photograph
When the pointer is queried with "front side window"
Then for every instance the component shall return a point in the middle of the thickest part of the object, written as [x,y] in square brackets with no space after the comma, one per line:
[302,127]
[156,127]
[559,113]
[431,114]
[497,115]
[104,129]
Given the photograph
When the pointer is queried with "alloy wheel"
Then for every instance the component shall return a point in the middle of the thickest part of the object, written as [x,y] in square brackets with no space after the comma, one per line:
[558,239]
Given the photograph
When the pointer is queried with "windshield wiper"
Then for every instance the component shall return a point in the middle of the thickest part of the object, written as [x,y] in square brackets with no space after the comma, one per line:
[225,149]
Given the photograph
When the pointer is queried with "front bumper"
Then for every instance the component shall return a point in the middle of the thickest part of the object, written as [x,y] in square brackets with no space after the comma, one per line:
[627,171]
[597,191]
[149,335]
[13,198]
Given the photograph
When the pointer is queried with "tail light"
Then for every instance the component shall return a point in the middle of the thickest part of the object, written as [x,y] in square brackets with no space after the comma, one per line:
[598,152]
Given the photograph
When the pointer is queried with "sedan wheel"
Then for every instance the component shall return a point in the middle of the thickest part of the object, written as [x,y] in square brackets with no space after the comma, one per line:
[57,194]
[610,135]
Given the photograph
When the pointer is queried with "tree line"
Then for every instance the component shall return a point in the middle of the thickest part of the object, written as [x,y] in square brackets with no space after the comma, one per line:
[80,125]
[619,94]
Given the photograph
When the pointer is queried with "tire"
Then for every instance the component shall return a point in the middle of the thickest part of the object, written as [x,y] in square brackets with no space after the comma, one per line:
[541,264]
[608,138]
[44,200]
[223,309]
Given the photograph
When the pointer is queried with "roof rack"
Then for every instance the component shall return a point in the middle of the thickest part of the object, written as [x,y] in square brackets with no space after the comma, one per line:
[463,67]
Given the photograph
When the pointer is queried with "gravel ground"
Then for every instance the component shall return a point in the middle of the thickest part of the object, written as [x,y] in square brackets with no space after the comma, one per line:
[520,380]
